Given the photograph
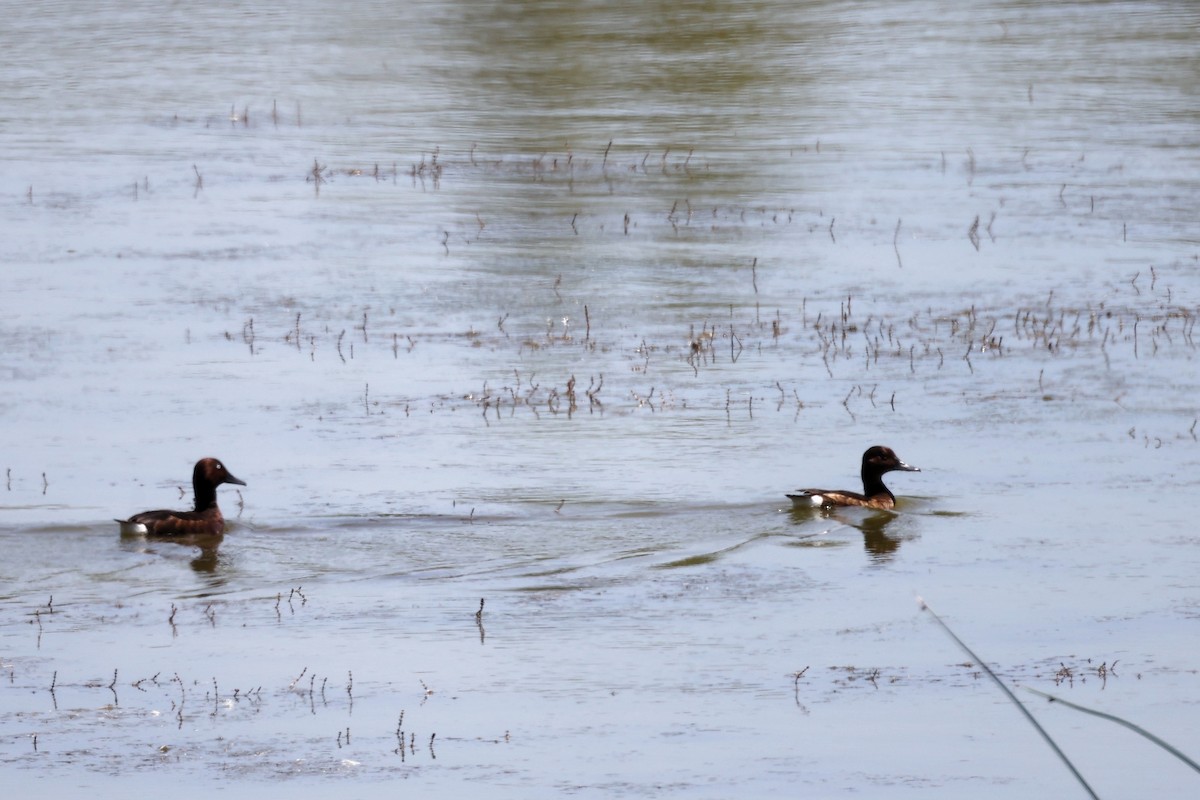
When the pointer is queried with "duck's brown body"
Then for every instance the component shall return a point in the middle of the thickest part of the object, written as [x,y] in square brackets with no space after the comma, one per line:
[876,462]
[206,519]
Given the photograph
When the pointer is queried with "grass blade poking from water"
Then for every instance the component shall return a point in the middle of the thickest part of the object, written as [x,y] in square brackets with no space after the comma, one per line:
[983,665]
[1135,728]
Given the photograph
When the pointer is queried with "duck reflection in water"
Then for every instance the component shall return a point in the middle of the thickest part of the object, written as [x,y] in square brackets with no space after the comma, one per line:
[206,551]
[879,544]
[208,559]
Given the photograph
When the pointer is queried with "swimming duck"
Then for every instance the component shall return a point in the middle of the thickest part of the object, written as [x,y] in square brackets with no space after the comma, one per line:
[875,462]
[206,519]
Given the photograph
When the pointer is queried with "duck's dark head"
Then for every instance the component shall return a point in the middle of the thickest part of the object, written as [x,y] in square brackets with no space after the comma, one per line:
[879,459]
[212,472]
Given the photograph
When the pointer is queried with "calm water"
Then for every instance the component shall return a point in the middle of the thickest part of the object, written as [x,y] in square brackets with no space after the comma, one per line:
[549,304]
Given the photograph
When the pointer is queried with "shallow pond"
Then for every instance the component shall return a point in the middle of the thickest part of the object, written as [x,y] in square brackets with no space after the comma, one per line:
[520,320]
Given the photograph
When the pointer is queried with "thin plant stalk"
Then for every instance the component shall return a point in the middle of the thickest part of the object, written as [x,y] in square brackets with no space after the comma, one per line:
[1063,756]
[1136,729]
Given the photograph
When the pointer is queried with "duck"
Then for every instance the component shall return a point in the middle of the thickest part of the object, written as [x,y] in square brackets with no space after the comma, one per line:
[876,461]
[208,474]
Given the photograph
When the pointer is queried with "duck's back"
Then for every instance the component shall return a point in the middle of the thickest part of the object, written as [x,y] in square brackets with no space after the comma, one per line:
[828,498]
[175,523]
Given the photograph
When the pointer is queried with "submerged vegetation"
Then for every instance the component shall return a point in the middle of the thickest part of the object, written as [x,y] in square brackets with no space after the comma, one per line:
[872,358]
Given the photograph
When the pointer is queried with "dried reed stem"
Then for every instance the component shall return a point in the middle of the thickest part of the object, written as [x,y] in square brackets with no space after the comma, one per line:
[1008,692]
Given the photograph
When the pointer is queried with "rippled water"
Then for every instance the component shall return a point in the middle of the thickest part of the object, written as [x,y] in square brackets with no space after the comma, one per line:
[550,305]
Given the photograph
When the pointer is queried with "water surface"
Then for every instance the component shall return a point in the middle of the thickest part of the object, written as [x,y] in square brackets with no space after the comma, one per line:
[549,305]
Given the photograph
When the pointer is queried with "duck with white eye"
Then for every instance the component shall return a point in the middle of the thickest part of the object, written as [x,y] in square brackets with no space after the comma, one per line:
[876,462]
[206,519]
